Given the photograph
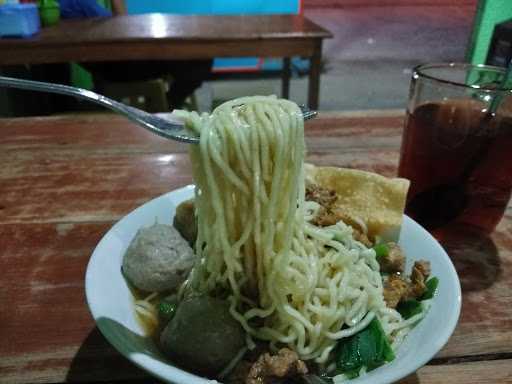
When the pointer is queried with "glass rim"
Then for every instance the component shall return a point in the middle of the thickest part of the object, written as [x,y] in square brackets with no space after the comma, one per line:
[419,71]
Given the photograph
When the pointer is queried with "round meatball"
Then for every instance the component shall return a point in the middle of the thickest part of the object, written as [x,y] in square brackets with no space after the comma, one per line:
[203,337]
[185,221]
[158,259]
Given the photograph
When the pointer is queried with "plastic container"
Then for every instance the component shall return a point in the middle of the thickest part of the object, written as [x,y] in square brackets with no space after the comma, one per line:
[49,10]
[49,15]
[19,20]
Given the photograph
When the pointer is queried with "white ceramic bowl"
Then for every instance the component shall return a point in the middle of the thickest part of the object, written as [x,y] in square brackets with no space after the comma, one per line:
[110,300]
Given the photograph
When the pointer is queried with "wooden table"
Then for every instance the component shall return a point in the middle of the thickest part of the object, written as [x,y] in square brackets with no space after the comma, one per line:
[65,180]
[162,36]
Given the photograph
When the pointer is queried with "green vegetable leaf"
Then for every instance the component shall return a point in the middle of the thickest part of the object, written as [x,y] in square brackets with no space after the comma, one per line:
[381,250]
[409,308]
[385,347]
[368,348]
[167,309]
[431,285]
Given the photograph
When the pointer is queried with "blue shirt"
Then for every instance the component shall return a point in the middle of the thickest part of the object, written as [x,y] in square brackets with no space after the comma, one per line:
[79,9]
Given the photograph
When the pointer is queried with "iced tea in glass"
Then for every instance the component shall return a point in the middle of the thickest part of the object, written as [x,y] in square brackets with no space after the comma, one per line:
[456,153]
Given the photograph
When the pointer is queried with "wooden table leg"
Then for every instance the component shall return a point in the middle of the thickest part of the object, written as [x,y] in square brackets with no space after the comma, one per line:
[314,76]
[285,80]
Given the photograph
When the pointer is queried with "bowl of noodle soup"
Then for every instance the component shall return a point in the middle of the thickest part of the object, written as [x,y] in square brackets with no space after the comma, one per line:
[299,275]
[111,302]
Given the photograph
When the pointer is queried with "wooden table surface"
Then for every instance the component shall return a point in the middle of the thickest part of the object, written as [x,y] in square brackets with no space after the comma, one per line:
[65,180]
[174,37]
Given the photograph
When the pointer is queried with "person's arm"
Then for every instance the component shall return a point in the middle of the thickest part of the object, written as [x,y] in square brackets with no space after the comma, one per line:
[118,7]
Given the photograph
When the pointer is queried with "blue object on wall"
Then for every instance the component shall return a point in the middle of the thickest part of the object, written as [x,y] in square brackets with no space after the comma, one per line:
[219,7]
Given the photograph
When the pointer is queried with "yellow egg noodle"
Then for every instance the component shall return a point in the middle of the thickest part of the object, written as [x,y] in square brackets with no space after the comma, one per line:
[288,281]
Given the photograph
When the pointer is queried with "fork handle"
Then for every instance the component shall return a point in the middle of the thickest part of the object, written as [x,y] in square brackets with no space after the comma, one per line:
[79,93]
[172,130]
[131,113]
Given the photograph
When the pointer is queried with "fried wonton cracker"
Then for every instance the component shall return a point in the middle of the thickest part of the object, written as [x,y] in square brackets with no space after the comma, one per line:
[377,200]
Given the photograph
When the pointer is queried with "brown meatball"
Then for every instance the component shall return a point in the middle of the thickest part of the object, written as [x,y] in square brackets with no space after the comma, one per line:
[185,221]
[203,337]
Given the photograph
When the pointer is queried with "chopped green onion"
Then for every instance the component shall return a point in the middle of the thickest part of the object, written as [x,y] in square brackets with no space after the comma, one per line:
[431,285]
[167,309]
[381,250]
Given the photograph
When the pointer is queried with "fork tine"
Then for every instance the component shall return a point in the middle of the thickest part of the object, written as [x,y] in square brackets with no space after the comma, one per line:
[307,114]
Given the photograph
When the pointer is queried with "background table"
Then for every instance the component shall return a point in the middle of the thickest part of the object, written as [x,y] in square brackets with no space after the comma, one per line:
[65,180]
[175,37]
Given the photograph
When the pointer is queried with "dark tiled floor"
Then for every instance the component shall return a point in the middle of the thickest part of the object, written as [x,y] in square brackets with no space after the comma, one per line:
[368,62]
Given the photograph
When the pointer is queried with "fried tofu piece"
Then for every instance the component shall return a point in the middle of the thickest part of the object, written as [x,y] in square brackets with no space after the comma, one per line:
[375,200]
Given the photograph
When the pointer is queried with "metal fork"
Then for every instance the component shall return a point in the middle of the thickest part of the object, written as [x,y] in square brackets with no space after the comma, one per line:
[170,128]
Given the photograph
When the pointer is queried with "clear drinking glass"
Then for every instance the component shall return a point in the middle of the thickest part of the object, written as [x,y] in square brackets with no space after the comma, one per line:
[457,154]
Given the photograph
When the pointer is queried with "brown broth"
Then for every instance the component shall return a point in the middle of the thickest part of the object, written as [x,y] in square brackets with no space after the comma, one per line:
[150,330]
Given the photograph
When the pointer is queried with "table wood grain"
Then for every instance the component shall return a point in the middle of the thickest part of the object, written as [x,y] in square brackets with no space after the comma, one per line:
[64,181]
[174,37]
[165,36]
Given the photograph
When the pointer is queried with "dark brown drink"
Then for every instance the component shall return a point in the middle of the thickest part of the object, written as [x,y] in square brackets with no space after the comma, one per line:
[459,161]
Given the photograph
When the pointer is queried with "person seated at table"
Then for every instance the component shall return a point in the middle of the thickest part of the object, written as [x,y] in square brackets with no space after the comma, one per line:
[187,75]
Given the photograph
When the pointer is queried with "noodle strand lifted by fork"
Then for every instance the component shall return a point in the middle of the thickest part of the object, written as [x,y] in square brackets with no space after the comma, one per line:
[254,244]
